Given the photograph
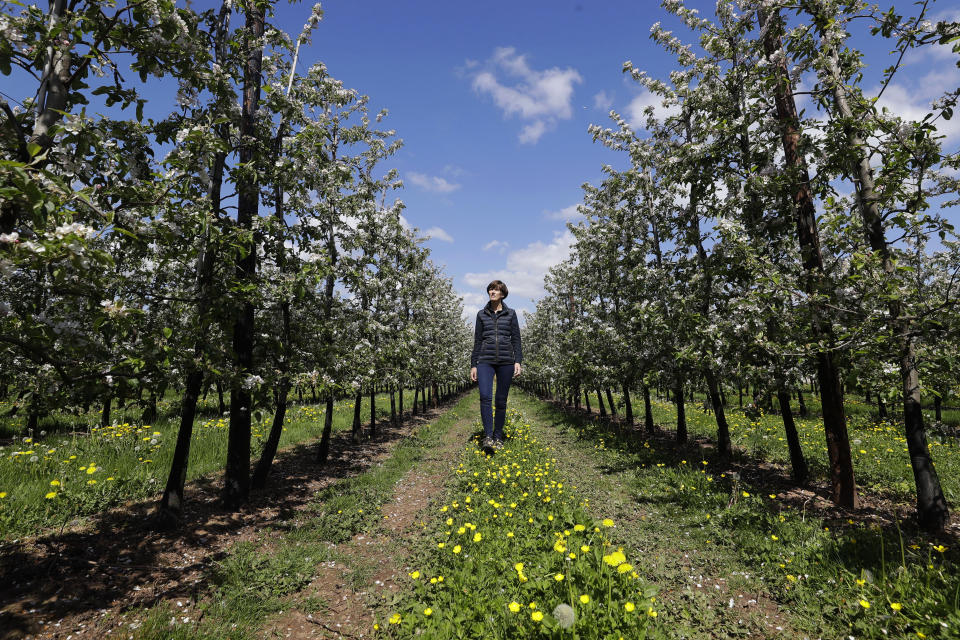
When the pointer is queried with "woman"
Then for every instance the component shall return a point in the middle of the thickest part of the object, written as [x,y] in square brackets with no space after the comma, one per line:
[496,353]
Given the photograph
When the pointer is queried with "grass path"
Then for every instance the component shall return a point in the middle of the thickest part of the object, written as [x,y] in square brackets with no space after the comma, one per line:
[698,581]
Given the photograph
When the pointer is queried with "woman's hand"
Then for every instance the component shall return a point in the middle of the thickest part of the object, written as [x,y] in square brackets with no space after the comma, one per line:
[473,374]
[517,369]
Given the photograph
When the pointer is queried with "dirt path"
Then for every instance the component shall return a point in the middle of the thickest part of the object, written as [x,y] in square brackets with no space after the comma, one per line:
[68,585]
[373,565]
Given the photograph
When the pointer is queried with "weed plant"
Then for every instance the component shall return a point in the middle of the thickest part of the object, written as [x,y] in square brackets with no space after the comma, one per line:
[839,579]
[513,553]
[48,480]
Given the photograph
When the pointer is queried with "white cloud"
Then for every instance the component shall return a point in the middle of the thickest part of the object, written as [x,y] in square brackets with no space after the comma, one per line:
[436,233]
[436,184]
[567,214]
[636,111]
[525,268]
[539,97]
[496,244]
[602,101]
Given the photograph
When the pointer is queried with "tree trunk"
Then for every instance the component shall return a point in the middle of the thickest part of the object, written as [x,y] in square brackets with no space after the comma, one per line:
[106,411]
[400,407]
[236,479]
[881,408]
[323,451]
[221,404]
[393,407]
[844,490]
[627,406]
[416,392]
[723,430]
[647,411]
[681,411]
[170,508]
[373,412]
[586,397]
[603,410]
[355,428]
[804,412]
[797,462]
[938,408]
[262,470]
[611,403]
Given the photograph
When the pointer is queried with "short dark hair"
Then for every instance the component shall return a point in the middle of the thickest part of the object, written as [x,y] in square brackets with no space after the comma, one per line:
[498,284]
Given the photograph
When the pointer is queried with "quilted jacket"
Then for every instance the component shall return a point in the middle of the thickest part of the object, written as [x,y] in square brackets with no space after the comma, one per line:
[496,338]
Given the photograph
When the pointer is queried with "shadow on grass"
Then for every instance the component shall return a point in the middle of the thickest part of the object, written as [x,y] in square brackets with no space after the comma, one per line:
[122,561]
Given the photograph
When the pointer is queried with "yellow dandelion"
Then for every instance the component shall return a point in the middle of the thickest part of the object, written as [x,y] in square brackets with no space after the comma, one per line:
[864,604]
[477,537]
[625,568]
[395,618]
[51,495]
[651,612]
[607,522]
[585,599]
[428,612]
[415,575]
[456,549]
[896,606]
[558,577]
[537,616]
[629,606]
[514,607]
[54,483]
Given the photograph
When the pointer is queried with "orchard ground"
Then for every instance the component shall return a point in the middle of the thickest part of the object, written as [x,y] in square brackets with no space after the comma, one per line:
[418,533]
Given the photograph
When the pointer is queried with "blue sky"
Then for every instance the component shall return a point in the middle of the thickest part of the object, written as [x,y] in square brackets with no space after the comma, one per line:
[493,101]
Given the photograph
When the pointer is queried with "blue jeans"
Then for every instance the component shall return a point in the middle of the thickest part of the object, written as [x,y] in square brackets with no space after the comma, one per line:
[485,374]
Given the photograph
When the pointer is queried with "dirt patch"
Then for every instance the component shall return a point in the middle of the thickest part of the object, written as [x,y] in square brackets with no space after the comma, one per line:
[354,591]
[57,586]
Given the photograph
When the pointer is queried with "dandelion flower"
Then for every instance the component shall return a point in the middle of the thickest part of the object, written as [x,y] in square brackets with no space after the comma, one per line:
[607,522]
[3,494]
[564,615]
[558,577]
[477,537]
[428,612]
[91,469]
[578,527]
[585,599]
[625,568]
[746,494]
[864,604]
[456,549]
[51,495]
[395,618]
[651,612]
[629,606]
[896,606]
[584,548]
[415,575]
[939,548]
[514,607]
[536,616]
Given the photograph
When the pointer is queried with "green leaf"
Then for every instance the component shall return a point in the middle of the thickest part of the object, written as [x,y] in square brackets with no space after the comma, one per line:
[167,332]
[33,149]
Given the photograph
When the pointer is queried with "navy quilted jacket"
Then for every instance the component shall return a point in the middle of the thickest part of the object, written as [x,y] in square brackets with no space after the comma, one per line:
[496,339]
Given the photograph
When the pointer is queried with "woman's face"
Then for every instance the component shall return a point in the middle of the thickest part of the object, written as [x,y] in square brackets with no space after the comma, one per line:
[494,294]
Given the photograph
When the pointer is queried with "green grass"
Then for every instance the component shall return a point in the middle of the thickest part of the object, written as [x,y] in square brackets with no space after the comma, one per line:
[829,579]
[509,548]
[880,459]
[256,580]
[95,468]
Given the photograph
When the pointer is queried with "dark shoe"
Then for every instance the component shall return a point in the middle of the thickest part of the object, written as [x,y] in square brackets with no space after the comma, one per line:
[488,444]
[498,444]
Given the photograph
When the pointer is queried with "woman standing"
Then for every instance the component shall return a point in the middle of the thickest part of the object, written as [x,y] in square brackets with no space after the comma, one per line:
[496,353]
